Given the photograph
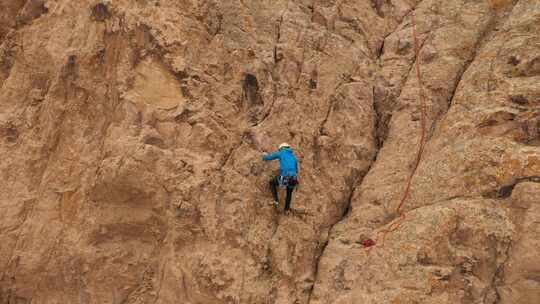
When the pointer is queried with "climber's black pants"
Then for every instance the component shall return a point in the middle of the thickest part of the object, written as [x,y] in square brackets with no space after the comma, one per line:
[274,184]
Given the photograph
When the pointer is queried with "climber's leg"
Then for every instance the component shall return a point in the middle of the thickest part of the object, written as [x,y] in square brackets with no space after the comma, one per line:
[273,188]
[288,198]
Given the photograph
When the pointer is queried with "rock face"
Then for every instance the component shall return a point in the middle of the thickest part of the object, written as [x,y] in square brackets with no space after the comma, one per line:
[132,132]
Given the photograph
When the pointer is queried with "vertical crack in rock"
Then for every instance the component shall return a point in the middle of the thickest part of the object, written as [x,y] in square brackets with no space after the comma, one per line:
[316,270]
[356,180]
[498,277]
[385,115]
[274,79]
[160,282]
[332,102]
[278,56]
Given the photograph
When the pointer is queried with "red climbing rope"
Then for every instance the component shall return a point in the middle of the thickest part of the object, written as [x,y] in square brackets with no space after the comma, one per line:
[423,108]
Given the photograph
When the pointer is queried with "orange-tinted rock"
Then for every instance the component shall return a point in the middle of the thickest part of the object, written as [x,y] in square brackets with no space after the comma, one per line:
[132,132]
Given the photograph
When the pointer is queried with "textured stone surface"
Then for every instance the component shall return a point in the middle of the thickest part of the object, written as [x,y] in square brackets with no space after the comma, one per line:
[480,144]
[131,134]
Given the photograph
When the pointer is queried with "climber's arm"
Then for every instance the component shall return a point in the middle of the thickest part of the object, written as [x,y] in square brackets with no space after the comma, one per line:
[271,156]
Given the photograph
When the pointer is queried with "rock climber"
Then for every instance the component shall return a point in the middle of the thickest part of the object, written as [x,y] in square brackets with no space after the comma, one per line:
[288,173]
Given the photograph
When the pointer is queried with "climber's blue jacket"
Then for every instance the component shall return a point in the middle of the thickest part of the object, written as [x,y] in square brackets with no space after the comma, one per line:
[288,163]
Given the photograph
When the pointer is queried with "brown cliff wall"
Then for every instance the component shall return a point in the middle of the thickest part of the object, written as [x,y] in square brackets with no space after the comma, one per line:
[131,135]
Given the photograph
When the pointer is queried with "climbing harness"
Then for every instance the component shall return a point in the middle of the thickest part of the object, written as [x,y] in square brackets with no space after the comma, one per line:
[287,181]
[423,108]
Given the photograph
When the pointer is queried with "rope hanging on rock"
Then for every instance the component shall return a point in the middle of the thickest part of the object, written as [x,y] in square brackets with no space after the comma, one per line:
[423,121]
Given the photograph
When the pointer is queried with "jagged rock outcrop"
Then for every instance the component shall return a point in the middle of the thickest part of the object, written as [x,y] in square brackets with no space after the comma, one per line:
[132,133]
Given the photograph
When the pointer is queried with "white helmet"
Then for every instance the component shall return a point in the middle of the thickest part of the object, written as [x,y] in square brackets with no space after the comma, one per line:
[284,145]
